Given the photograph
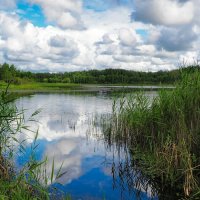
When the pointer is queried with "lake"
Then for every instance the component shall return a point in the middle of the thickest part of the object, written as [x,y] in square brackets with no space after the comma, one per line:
[69,135]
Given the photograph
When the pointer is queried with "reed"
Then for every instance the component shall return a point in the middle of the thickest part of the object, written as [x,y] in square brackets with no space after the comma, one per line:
[31,181]
[163,134]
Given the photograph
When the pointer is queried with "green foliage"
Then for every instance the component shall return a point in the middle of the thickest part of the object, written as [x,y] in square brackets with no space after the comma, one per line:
[66,80]
[108,76]
[31,181]
[7,72]
[163,134]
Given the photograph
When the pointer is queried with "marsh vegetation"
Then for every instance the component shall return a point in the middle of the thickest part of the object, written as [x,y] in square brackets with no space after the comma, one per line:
[162,136]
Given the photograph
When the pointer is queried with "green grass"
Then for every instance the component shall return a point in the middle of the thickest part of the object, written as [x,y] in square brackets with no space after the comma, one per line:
[163,136]
[35,86]
[65,87]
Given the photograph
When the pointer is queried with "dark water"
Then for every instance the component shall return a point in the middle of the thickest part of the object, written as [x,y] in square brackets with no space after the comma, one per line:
[67,135]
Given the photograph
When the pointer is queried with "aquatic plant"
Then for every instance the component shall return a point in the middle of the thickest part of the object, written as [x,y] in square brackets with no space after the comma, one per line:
[163,135]
[31,181]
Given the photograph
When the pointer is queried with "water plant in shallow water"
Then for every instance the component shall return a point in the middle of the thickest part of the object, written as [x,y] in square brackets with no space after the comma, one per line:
[163,136]
[31,181]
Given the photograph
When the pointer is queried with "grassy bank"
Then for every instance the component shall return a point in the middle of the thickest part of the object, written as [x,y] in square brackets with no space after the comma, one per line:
[163,136]
[36,86]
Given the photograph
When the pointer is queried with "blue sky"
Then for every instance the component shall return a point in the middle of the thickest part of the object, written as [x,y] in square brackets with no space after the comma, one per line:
[71,35]
[102,5]
[32,13]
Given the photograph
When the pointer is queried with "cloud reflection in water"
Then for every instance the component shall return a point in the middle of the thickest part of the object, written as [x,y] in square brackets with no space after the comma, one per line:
[63,137]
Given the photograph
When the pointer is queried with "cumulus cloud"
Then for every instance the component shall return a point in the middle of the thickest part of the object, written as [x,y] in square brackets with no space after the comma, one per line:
[28,44]
[196,11]
[62,47]
[128,50]
[172,39]
[127,37]
[80,37]
[107,38]
[164,12]
[58,41]
[64,13]
[172,32]
[7,4]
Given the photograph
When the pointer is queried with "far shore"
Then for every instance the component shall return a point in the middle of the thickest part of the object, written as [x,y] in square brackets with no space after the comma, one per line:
[36,87]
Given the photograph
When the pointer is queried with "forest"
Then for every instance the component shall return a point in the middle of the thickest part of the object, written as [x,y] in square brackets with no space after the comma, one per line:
[10,73]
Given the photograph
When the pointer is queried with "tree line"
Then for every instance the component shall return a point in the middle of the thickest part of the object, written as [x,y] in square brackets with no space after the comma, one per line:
[9,73]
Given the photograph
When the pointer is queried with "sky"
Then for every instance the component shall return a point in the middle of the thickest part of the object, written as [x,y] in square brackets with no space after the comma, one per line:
[71,35]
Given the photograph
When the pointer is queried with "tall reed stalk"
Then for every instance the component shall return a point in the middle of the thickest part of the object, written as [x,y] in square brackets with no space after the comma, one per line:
[31,181]
[163,134]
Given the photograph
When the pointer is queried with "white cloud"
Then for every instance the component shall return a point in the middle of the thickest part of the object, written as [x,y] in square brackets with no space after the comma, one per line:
[66,20]
[109,40]
[45,48]
[146,50]
[189,58]
[62,47]
[127,37]
[181,39]
[7,4]
[64,13]
[164,12]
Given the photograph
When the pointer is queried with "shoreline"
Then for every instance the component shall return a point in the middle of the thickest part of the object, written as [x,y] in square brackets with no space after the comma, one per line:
[84,88]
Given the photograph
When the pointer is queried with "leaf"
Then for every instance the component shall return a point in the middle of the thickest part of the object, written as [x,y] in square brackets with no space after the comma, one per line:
[36,136]
[52,172]
[36,112]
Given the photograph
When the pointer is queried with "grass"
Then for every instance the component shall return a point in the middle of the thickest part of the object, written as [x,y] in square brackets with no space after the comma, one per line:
[68,87]
[31,181]
[163,135]
[36,86]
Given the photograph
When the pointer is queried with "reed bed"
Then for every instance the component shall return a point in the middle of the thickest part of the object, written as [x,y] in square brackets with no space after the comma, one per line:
[163,135]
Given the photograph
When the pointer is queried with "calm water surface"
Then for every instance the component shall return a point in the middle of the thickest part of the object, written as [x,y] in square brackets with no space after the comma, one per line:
[67,136]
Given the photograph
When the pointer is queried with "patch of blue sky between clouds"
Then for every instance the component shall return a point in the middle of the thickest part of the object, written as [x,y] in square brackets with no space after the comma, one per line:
[143,33]
[31,13]
[96,5]
[103,5]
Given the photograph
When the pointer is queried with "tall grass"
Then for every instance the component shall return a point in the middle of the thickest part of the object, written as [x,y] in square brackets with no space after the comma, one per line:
[31,181]
[163,134]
